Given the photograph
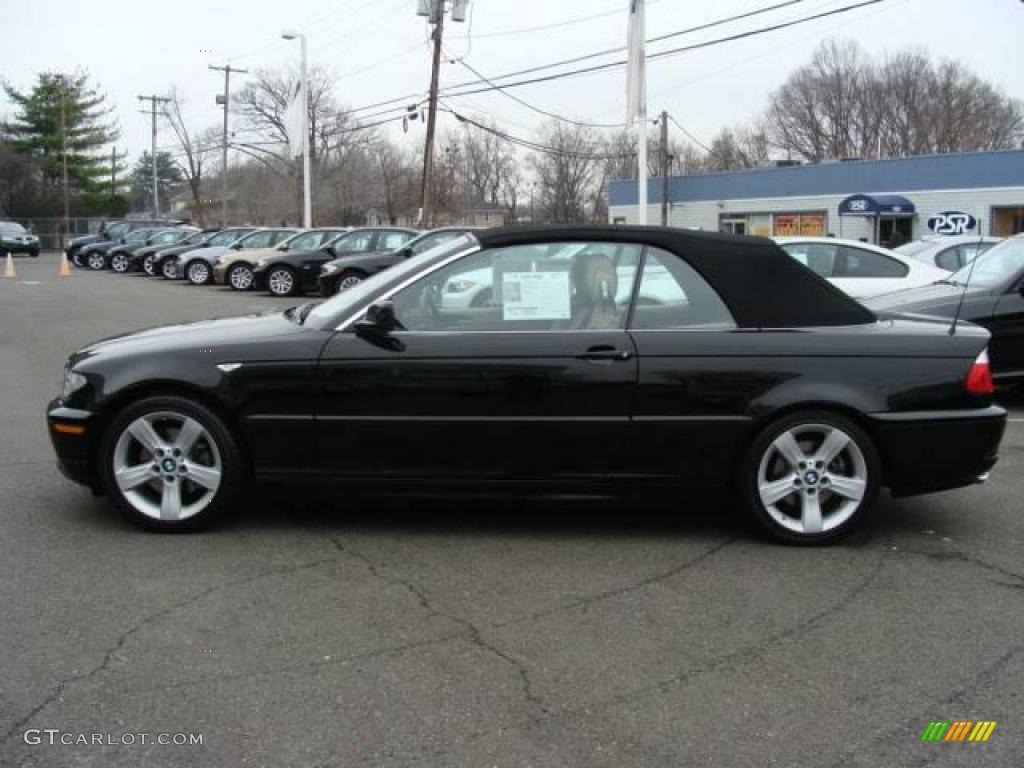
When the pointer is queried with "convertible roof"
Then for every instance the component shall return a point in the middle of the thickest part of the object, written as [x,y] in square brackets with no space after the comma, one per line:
[761,284]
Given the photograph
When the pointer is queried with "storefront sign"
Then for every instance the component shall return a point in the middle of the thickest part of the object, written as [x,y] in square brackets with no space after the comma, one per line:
[952,223]
[799,224]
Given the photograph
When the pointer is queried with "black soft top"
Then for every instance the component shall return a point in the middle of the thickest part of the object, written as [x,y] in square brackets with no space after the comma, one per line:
[761,284]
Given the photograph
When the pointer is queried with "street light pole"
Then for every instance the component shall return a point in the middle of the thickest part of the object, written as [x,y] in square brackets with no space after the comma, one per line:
[307,201]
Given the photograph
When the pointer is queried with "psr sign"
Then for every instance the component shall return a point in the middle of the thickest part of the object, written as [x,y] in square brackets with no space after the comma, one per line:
[952,223]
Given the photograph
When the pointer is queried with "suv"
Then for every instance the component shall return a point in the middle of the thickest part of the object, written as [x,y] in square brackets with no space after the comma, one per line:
[14,238]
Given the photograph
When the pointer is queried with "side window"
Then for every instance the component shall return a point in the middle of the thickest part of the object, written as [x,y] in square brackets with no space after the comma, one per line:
[949,259]
[258,240]
[858,262]
[819,257]
[355,243]
[279,236]
[389,241]
[559,287]
[673,295]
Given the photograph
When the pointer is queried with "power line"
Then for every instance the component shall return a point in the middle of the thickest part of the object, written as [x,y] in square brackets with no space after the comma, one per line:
[586,57]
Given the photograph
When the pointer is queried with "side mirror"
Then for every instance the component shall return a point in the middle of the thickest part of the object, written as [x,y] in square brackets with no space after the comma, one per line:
[406,252]
[377,325]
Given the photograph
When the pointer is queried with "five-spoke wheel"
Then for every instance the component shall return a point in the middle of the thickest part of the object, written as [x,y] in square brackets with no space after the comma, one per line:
[813,476]
[170,463]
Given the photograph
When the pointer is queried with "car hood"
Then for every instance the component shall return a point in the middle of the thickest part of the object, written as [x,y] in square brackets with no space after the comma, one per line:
[195,336]
[935,299]
[346,258]
[85,240]
[210,252]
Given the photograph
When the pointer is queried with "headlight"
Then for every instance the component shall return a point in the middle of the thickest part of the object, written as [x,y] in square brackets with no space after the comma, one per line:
[73,381]
[460,286]
[329,269]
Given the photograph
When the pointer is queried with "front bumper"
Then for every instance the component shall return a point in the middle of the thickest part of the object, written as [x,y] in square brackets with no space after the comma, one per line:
[329,284]
[12,248]
[70,432]
[928,451]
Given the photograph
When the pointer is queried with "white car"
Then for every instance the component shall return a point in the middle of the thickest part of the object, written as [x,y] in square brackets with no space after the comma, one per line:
[948,252]
[860,270]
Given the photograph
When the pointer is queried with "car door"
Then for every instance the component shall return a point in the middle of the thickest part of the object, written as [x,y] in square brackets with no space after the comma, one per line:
[533,385]
[391,239]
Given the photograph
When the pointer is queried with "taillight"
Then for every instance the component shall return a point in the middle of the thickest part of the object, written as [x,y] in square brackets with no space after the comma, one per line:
[979,378]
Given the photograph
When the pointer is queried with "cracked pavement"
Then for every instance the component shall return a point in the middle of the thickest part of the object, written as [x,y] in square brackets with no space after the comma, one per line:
[328,631]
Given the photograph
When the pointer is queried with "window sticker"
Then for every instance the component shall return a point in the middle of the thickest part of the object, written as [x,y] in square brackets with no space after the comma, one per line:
[535,296]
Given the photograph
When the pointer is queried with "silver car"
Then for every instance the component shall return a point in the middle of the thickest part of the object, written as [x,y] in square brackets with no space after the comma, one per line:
[948,252]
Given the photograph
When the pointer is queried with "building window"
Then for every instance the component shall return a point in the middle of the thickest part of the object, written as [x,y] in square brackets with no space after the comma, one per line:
[798,224]
[1007,221]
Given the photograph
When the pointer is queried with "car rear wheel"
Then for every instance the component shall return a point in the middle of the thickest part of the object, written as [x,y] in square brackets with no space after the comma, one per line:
[349,279]
[171,464]
[119,262]
[281,281]
[148,265]
[34,254]
[198,272]
[76,259]
[810,477]
[97,261]
[240,277]
[169,269]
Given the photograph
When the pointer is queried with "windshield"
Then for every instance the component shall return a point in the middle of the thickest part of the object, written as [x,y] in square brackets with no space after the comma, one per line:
[195,237]
[171,236]
[996,266]
[349,301]
[226,238]
[11,228]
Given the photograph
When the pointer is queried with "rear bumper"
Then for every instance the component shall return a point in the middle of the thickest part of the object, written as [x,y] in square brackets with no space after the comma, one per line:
[73,449]
[927,451]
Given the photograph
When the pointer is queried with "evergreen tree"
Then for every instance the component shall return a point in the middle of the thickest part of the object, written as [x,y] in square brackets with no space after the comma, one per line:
[168,179]
[56,106]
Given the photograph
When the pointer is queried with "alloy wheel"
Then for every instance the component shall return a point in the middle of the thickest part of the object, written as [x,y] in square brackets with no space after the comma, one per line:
[119,263]
[240,277]
[147,266]
[169,269]
[198,272]
[167,466]
[96,261]
[812,478]
[281,282]
[349,282]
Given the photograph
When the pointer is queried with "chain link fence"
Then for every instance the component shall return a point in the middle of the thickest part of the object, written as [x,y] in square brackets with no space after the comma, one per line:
[50,229]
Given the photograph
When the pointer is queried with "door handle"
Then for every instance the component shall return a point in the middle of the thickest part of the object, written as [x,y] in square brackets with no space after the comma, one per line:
[605,352]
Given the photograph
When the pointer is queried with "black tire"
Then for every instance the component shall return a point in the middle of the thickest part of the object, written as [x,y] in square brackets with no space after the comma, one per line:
[77,259]
[168,269]
[274,285]
[147,266]
[750,500]
[119,263]
[34,254]
[234,275]
[96,261]
[352,276]
[198,266]
[234,471]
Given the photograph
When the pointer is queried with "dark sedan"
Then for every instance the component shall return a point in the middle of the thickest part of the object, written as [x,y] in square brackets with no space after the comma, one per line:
[111,232]
[96,256]
[988,291]
[294,272]
[351,269]
[124,258]
[741,374]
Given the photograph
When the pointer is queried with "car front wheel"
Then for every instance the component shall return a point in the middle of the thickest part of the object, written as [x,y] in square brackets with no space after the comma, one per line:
[198,272]
[810,477]
[119,263]
[240,277]
[97,261]
[349,279]
[169,269]
[281,281]
[171,464]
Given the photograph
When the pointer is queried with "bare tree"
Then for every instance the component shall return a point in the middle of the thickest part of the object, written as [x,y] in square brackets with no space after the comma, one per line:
[565,170]
[195,151]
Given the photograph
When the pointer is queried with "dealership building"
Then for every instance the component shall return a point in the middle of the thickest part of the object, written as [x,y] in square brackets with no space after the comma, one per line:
[879,201]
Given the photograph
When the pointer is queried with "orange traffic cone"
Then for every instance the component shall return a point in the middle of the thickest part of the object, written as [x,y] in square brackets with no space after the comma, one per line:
[9,272]
[65,266]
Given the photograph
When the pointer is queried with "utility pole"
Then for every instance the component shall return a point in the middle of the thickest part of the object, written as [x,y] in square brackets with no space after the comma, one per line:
[664,168]
[153,100]
[437,16]
[64,158]
[224,99]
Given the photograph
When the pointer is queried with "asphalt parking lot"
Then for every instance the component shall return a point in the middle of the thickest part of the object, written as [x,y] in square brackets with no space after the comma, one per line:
[320,631]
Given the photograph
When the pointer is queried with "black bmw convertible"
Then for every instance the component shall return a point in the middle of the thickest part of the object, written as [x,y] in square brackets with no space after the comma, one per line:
[600,360]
